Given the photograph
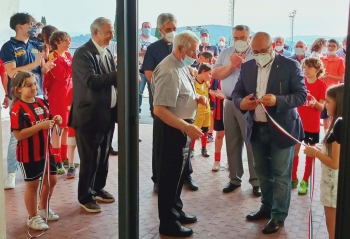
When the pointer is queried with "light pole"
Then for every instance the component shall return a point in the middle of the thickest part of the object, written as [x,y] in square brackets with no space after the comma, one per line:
[231,17]
[292,16]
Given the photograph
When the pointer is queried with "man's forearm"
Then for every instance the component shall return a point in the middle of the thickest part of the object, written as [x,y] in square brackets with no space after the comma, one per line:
[13,71]
[148,75]
[169,118]
[222,72]
[337,78]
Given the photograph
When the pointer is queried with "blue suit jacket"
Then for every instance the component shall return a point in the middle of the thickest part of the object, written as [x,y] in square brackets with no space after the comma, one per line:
[286,82]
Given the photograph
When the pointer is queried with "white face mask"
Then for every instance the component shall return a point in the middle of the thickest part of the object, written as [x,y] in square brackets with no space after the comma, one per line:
[169,37]
[241,46]
[278,48]
[299,51]
[262,58]
[222,43]
[205,40]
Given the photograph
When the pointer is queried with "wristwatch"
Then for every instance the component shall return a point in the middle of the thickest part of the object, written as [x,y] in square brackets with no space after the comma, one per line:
[6,96]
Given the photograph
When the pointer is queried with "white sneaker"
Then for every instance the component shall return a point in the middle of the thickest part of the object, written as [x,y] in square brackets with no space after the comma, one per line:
[52,215]
[216,166]
[37,223]
[10,181]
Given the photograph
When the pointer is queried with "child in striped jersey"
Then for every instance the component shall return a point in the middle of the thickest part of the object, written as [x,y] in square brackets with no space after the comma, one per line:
[30,123]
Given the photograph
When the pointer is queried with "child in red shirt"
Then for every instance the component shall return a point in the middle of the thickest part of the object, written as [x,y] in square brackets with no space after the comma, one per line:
[310,114]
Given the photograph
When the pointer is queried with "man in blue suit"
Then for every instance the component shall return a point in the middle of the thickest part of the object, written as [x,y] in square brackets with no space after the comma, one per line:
[277,83]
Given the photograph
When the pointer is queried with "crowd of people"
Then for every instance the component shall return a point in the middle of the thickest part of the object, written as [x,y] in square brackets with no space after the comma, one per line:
[195,89]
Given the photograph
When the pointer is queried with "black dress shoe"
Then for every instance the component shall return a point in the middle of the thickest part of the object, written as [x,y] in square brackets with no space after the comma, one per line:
[254,216]
[187,219]
[230,187]
[272,226]
[181,232]
[112,151]
[191,184]
[257,191]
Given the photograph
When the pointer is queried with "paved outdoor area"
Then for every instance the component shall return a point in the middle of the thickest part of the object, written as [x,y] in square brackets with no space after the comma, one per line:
[219,215]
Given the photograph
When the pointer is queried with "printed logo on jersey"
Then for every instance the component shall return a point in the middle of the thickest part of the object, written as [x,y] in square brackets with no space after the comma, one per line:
[46,109]
[20,52]
[39,111]
[35,51]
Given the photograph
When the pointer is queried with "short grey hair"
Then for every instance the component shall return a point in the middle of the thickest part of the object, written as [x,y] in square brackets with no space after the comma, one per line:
[279,37]
[185,39]
[164,18]
[98,23]
[241,28]
[304,43]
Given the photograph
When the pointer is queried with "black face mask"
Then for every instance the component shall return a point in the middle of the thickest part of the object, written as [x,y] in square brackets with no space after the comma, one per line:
[32,31]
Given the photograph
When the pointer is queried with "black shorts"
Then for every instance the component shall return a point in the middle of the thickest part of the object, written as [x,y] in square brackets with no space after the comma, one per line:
[312,138]
[324,114]
[34,170]
[218,125]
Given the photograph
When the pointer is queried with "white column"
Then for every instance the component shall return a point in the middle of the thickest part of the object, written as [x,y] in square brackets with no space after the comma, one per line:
[2,195]
[7,9]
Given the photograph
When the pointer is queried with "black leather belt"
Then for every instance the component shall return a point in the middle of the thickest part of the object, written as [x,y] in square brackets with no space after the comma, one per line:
[259,123]
[190,121]
[228,98]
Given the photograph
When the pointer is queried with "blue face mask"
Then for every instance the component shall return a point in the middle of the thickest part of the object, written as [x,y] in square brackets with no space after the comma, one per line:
[146,31]
[187,61]
[32,31]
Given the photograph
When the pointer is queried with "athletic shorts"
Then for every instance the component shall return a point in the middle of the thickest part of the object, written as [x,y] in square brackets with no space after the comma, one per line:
[218,125]
[202,120]
[312,138]
[34,170]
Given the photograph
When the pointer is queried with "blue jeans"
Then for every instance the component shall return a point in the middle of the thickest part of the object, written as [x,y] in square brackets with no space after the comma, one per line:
[142,86]
[273,167]
[12,164]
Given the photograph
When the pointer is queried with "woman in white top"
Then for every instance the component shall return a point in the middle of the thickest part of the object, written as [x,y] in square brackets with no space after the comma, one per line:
[317,47]
[329,156]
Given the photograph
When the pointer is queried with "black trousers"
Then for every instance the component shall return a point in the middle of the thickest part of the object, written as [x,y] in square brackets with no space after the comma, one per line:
[188,170]
[93,151]
[171,153]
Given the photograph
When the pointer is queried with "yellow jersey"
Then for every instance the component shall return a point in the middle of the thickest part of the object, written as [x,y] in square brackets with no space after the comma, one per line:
[202,89]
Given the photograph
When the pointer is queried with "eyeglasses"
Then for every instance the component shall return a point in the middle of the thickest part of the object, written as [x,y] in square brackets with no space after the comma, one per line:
[262,51]
[332,46]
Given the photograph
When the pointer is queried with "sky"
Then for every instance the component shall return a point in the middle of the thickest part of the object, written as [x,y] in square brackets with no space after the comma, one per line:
[313,17]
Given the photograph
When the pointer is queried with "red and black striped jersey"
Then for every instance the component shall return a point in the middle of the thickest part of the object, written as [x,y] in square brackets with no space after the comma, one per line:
[25,115]
[219,103]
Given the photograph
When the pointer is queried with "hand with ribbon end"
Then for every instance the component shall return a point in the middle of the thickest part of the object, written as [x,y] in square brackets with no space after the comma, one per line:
[311,151]
[268,100]
[249,103]
[335,135]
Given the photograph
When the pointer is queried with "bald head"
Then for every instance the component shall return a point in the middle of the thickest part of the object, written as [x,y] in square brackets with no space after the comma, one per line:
[261,43]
